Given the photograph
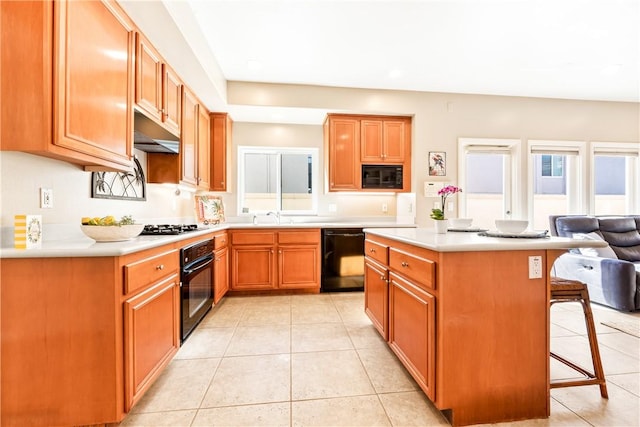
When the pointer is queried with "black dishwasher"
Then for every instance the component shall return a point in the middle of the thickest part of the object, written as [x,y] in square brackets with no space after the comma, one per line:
[342,260]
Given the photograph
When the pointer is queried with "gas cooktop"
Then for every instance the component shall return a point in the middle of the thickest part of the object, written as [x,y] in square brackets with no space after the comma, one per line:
[165,229]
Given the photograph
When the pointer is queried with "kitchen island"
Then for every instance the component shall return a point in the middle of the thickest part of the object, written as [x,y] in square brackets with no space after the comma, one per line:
[467,316]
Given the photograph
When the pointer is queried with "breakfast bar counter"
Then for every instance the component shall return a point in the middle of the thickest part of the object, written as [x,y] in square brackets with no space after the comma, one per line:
[468,316]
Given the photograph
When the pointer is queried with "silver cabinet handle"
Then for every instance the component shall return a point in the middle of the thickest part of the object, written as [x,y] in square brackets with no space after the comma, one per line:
[160,267]
[405,264]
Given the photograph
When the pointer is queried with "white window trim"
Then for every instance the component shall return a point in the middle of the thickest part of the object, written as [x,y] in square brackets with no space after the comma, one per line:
[512,204]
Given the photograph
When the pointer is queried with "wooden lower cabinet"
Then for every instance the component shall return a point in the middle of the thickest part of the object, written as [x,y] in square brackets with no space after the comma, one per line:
[469,326]
[268,259]
[152,335]
[298,266]
[221,266]
[412,317]
[97,332]
[376,297]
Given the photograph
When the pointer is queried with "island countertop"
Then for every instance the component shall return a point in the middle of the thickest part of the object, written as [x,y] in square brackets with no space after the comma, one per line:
[470,241]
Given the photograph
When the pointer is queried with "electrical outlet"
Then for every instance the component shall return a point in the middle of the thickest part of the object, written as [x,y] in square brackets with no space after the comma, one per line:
[332,207]
[46,198]
[384,208]
[535,267]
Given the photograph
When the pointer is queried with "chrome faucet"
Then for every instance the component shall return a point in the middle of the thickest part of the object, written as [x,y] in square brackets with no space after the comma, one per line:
[276,214]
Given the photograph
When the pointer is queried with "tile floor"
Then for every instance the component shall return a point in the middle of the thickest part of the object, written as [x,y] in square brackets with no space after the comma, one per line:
[316,360]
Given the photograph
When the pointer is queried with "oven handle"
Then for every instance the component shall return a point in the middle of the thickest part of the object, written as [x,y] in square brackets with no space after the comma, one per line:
[199,266]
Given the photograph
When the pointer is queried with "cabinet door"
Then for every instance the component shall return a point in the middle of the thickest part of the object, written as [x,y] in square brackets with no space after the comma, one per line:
[412,317]
[94,61]
[151,336]
[376,295]
[344,154]
[299,266]
[204,147]
[148,78]
[371,141]
[252,268]
[394,140]
[188,138]
[220,274]
[221,127]
[171,99]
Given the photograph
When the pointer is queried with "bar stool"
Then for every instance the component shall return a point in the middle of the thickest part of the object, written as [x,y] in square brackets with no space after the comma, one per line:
[563,290]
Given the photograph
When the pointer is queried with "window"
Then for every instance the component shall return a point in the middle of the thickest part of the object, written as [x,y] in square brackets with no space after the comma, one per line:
[488,172]
[555,180]
[277,179]
[615,178]
[552,165]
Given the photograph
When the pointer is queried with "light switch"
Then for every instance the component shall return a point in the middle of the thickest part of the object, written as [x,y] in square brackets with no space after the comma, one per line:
[46,198]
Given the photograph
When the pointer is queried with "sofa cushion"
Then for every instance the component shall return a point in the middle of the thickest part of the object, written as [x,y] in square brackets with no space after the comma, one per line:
[622,235]
[605,252]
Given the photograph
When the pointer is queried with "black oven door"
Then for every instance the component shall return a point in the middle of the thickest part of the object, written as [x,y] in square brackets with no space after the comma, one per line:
[196,293]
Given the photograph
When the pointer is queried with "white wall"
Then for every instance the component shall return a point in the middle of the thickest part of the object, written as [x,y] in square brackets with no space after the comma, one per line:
[22,176]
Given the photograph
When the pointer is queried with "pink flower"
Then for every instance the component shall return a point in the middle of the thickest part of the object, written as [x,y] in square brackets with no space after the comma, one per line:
[444,192]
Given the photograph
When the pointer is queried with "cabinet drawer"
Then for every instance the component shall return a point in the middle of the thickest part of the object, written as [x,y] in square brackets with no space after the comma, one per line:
[253,238]
[150,270]
[418,269]
[299,236]
[220,241]
[376,251]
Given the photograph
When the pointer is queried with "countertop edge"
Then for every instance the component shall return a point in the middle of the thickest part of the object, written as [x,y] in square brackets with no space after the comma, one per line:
[82,246]
[466,242]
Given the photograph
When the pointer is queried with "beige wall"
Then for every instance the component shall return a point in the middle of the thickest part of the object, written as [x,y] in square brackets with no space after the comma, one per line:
[439,119]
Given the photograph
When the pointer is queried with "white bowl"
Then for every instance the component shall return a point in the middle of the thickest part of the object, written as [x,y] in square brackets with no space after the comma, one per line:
[112,233]
[461,222]
[511,225]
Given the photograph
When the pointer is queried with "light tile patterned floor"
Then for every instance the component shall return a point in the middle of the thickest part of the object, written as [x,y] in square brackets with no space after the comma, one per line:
[316,360]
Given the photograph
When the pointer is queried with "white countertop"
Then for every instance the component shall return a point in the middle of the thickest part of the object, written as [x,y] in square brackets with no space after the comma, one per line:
[470,241]
[76,244]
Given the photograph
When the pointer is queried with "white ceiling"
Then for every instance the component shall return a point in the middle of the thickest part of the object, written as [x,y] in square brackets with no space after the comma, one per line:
[573,49]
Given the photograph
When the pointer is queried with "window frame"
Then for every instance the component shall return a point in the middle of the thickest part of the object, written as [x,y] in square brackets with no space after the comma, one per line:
[631,149]
[512,205]
[315,181]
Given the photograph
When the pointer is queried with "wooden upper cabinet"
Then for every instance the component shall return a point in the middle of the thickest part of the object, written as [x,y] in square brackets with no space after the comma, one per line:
[371,134]
[158,88]
[188,138]
[344,154]
[204,149]
[171,99]
[383,141]
[70,85]
[221,129]
[354,140]
[148,78]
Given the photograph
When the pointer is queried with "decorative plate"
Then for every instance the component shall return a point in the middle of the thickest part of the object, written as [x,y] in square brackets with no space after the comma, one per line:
[209,209]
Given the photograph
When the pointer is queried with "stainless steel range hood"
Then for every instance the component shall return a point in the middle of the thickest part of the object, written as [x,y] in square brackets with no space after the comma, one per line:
[151,137]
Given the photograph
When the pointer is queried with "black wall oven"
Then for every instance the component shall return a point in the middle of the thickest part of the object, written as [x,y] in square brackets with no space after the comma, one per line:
[196,281]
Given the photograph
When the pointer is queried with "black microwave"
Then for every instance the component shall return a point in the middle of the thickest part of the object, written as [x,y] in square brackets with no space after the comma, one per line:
[383,177]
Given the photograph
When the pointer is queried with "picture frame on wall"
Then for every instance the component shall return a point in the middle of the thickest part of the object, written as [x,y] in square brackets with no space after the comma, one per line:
[437,163]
